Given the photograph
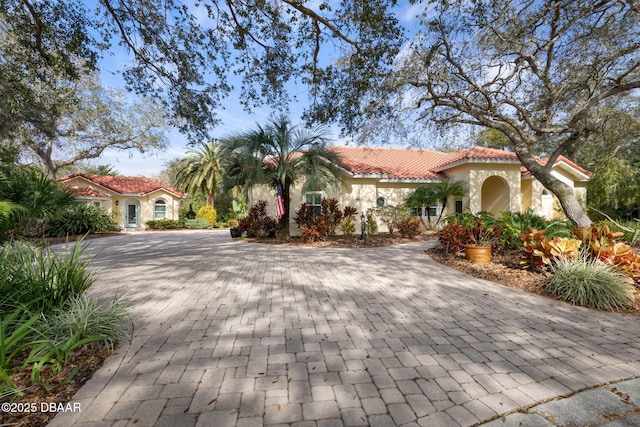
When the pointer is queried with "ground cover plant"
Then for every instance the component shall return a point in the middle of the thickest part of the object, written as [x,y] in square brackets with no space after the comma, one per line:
[51,334]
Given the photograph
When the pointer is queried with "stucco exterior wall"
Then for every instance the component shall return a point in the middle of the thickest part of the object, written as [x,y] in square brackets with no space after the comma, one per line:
[115,205]
[477,174]
[492,186]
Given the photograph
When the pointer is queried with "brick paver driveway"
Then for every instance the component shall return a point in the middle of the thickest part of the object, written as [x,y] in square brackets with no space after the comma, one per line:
[237,333]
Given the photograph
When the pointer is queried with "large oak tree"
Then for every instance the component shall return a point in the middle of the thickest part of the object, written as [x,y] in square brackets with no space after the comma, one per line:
[100,119]
[538,72]
[186,53]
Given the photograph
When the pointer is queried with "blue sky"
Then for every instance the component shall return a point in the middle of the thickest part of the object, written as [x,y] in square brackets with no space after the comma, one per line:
[232,117]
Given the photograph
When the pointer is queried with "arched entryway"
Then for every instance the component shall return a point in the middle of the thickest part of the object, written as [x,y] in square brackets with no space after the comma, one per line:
[495,195]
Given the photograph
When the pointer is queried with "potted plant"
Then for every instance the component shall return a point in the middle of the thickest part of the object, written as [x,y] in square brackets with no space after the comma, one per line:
[481,240]
[233,228]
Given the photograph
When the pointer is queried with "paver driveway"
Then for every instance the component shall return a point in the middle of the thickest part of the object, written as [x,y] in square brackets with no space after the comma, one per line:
[237,333]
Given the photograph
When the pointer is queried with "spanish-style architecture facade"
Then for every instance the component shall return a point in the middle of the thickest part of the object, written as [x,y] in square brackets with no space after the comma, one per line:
[495,179]
[132,201]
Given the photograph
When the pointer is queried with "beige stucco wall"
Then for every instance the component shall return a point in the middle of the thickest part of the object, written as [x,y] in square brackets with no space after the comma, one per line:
[491,186]
[542,201]
[510,180]
[361,193]
[116,204]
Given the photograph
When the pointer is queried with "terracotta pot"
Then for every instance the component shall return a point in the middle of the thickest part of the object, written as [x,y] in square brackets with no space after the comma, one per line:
[478,253]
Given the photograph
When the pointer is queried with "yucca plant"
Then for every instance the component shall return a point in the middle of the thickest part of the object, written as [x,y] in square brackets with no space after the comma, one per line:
[588,282]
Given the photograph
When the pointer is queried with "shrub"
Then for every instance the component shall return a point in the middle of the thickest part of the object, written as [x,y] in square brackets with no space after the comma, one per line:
[466,228]
[539,252]
[257,223]
[348,227]
[323,225]
[513,224]
[40,280]
[233,223]
[198,223]
[309,234]
[631,229]
[453,237]
[304,216]
[332,214]
[162,224]
[187,213]
[80,219]
[409,227]
[390,216]
[208,214]
[371,225]
[589,282]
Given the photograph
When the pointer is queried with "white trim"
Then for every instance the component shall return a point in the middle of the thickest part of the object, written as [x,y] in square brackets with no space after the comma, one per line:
[564,165]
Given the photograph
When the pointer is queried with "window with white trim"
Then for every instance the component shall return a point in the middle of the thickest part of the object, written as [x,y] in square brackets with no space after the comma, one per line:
[160,209]
[314,198]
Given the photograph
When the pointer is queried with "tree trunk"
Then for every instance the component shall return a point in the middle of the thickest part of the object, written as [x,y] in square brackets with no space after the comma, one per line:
[286,199]
[565,194]
[211,198]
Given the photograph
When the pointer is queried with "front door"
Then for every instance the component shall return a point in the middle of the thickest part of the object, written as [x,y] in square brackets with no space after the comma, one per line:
[131,216]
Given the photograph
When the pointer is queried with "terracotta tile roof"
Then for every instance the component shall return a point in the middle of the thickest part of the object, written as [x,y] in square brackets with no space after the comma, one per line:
[396,163]
[561,159]
[125,184]
[410,163]
[475,153]
[88,192]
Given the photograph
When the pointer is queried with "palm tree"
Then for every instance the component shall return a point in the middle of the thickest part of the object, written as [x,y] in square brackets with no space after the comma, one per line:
[200,170]
[424,195]
[430,194]
[280,154]
[29,200]
[446,189]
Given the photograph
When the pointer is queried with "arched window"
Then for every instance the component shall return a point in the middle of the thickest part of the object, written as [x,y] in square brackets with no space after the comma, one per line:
[160,209]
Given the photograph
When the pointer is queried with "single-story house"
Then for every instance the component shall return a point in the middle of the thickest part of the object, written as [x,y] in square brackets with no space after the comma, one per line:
[132,201]
[495,179]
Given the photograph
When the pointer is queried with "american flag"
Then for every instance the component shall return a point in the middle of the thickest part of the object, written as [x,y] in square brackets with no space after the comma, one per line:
[279,203]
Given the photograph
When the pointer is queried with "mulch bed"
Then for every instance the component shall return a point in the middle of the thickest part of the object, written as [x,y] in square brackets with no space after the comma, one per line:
[381,239]
[56,389]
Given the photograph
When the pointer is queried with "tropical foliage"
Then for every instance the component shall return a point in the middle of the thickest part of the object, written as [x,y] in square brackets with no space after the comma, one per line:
[80,219]
[280,154]
[31,200]
[321,226]
[257,223]
[44,315]
[586,281]
[409,227]
[432,194]
[200,171]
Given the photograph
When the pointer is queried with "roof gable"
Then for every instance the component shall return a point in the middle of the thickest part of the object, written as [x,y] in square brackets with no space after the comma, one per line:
[125,184]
